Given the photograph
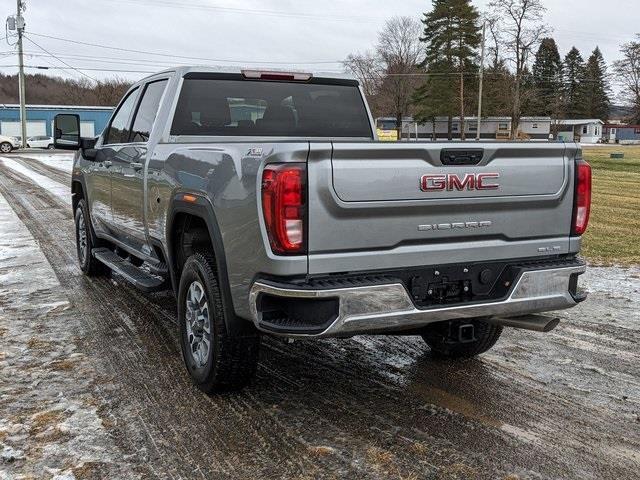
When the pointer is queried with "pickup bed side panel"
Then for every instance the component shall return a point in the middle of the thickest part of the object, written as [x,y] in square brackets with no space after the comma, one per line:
[228,175]
[368,211]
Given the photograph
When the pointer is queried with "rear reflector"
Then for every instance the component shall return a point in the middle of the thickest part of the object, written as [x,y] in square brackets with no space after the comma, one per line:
[277,76]
[582,206]
[284,207]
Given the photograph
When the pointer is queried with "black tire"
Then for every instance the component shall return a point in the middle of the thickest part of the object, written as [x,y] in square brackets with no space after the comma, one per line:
[88,264]
[5,147]
[50,146]
[230,361]
[443,339]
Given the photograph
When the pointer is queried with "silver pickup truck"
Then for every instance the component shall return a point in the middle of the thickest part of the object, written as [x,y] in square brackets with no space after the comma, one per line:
[264,201]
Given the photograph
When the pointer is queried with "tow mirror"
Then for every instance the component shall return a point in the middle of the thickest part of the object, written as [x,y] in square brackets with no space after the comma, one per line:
[66,129]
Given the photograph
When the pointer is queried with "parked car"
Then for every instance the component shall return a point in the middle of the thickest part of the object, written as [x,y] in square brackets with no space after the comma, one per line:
[40,142]
[7,144]
[266,203]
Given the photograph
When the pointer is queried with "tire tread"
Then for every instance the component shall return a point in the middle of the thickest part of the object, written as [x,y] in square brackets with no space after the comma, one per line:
[235,357]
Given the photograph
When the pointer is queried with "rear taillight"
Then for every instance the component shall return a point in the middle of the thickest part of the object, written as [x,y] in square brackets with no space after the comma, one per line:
[284,207]
[582,205]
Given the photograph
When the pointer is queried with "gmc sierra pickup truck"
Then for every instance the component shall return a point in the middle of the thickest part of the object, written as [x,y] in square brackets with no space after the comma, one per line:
[264,201]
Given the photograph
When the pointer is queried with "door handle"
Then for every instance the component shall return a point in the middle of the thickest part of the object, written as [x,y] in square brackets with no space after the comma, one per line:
[137,165]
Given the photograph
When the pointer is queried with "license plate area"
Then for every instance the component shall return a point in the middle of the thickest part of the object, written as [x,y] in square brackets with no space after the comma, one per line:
[454,285]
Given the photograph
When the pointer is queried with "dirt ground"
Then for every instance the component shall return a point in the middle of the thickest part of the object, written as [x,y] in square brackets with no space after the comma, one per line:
[92,383]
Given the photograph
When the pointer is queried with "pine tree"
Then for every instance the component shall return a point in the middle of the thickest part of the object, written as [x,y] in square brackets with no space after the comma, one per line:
[547,79]
[497,99]
[574,73]
[434,98]
[452,36]
[594,90]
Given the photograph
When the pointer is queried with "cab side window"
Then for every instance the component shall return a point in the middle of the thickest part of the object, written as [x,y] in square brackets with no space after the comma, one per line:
[119,129]
[147,111]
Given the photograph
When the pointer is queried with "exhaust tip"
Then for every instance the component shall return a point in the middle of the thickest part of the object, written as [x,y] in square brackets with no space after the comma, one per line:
[551,325]
[538,323]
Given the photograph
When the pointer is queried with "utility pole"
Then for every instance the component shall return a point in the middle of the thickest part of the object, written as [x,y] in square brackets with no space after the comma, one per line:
[23,110]
[484,36]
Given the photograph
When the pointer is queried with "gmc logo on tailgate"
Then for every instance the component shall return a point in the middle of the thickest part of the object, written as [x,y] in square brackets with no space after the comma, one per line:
[451,182]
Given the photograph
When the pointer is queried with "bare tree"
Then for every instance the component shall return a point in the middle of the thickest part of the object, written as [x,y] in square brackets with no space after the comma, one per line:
[45,90]
[493,50]
[368,69]
[521,29]
[628,73]
[400,52]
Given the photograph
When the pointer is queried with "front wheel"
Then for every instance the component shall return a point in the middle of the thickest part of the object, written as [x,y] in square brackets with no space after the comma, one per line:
[461,338]
[84,244]
[50,146]
[216,360]
[6,147]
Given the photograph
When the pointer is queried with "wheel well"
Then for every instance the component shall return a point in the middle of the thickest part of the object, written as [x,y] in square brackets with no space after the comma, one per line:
[78,193]
[190,234]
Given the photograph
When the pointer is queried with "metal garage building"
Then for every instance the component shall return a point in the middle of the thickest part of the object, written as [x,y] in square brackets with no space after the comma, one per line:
[40,119]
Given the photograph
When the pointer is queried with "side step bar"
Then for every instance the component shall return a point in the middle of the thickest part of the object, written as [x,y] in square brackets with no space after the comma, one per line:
[134,275]
[538,323]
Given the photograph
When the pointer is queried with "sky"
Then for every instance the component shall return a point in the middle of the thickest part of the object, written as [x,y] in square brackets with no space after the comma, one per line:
[300,34]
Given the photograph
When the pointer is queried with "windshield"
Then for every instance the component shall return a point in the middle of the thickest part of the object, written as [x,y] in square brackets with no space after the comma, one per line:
[262,108]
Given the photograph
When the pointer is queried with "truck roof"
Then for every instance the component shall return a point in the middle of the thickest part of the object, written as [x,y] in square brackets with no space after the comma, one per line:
[183,70]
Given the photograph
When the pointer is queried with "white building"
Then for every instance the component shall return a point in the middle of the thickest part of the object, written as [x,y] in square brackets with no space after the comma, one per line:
[580,130]
[491,128]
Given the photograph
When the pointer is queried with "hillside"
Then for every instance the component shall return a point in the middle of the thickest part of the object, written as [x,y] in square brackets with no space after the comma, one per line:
[44,90]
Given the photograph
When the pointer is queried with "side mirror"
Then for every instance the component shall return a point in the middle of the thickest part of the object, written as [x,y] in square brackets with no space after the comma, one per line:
[88,147]
[66,129]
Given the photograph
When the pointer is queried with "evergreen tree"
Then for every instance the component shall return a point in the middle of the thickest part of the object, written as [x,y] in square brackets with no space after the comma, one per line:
[434,98]
[497,99]
[452,36]
[547,80]
[574,74]
[594,90]
[529,100]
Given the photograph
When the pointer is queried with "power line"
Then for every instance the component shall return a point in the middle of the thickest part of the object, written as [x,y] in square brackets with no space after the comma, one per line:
[418,75]
[129,50]
[91,58]
[250,11]
[42,67]
[120,61]
[61,61]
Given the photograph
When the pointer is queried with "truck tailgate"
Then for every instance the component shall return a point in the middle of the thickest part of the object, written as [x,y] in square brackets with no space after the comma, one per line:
[377,206]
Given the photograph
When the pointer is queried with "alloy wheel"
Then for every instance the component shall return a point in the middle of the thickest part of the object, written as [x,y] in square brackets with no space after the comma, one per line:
[83,245]
[198,324]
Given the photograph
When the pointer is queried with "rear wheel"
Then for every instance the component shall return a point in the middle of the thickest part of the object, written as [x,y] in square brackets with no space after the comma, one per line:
[50,146]
[84,244]
[461,338]
[5,147]
[215,360]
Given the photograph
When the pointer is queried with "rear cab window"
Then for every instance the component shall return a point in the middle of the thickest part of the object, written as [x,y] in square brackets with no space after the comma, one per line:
[230,105]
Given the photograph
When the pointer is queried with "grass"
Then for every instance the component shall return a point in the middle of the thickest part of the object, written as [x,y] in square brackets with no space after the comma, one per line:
[612,237]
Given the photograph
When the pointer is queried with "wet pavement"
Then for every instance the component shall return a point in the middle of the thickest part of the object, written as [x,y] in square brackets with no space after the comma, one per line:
[93,386]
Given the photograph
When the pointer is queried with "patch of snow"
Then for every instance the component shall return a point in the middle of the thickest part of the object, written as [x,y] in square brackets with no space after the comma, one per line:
[62,191]
[60,161]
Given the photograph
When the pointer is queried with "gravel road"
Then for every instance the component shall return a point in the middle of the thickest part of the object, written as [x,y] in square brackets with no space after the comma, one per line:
[92,383]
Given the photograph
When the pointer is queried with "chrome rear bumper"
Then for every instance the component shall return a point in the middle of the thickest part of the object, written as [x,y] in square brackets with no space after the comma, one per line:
[382,308]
